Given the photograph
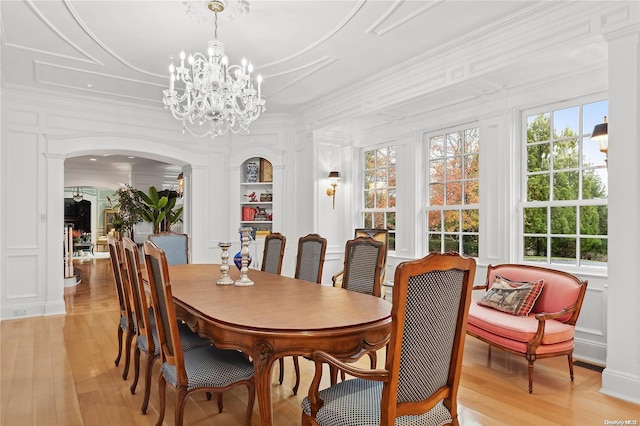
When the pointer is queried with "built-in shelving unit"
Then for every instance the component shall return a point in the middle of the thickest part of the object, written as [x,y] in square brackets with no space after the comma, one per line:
[256,186]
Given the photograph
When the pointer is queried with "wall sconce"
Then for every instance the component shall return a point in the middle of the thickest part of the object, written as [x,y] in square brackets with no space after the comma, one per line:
[334,177]
[180,189]
[78,196]
[601,134]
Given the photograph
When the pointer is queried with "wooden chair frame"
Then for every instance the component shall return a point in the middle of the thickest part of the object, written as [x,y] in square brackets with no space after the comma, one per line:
[267,240]
[390,408]
[124,302]
[301,242]
[378,235]
[352,245]
[323,249]
[143,319]
[171,350]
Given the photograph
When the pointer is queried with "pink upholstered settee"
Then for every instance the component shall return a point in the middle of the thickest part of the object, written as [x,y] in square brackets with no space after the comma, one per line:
[550,327]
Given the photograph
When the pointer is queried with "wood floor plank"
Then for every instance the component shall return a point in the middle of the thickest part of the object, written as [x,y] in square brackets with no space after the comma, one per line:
[60,370]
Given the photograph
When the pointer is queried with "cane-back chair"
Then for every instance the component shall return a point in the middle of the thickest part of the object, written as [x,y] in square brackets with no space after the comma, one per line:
[145,326]
[419,383]
[274,244]
[205,368]
[125,325]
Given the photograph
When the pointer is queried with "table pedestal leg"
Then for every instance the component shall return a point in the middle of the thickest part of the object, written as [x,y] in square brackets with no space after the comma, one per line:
[263,364]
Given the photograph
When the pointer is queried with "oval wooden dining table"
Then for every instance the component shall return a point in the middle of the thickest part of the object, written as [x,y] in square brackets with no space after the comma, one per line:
[278,316]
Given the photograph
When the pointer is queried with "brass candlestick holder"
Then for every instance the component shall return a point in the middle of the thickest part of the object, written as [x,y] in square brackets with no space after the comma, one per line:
[244,280]
[224,279]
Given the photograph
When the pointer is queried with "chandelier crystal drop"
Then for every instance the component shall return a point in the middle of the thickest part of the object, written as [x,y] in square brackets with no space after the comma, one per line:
[214,97]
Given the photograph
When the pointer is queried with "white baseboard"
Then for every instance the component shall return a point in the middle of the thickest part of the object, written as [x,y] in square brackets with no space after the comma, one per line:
[621,385]
[589,351]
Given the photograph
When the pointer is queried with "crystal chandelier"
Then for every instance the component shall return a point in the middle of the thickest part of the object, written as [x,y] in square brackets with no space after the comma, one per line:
[214,97]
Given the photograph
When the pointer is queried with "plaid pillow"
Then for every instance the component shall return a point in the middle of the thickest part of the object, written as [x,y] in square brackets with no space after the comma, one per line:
[512,297]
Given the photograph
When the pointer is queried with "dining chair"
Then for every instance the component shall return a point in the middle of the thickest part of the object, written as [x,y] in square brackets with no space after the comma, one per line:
[205,368]
[310,258]
[125,325]
[363,257]
[419,383]
[175,246]
[144,324]
[274,244]
[379,235]
[309,264]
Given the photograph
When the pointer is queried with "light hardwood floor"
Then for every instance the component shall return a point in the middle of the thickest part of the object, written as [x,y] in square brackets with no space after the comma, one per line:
[60,371]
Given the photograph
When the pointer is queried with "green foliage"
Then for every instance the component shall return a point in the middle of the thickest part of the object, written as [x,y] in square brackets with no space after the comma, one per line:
[558,165]
[158,209]
[127,209]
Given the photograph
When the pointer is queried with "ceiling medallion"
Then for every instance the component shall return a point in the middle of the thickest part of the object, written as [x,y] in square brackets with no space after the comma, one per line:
[213,97]
[201,10]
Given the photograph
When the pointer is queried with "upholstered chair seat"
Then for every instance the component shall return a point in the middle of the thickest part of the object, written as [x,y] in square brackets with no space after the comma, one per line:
[357,402]
[211,367]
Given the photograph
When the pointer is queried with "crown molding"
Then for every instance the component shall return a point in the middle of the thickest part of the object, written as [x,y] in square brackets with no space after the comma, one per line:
[540,30]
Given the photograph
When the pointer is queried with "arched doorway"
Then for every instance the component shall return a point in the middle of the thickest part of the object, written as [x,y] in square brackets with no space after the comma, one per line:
[62,147]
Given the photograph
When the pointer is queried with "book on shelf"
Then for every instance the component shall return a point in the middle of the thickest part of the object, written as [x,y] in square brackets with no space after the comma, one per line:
[261,233]
[248,213]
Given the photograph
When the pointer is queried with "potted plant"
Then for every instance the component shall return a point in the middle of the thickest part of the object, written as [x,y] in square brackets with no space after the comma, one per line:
[127,209]
[158,208]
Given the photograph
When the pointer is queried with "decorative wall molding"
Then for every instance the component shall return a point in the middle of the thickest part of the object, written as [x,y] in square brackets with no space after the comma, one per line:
[106,48]
[312,68]
[59,33]
[492,48]
[318,42]
[45,74]
[389,13]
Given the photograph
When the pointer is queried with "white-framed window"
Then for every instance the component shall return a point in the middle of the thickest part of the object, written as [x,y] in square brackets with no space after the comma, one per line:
[379,190]
[453,191]
[564,188]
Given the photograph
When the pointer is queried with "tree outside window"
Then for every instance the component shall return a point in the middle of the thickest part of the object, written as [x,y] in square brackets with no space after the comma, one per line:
[564,215]
[379,191]
[453,192]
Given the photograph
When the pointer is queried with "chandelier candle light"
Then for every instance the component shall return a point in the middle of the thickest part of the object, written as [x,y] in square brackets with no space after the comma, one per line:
[215,95]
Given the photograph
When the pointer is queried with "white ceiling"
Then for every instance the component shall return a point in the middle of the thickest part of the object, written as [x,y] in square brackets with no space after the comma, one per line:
[108,171]
[308,51]
[304,49]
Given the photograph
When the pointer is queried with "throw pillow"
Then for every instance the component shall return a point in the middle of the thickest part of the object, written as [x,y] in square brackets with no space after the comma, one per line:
[512,297]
